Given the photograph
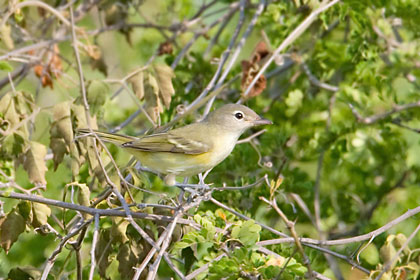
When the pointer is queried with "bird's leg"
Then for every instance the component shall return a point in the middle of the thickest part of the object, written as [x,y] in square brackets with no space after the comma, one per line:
[201,177]
[181,194]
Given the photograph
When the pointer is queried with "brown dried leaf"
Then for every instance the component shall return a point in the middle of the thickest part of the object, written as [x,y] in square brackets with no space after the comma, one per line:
[94,52]
[260,53]
[249,71]
[164,75]
[83,197]
[11,227]
[41,212]
[8,110]
[118,229]
[62,126]
[251,67]
[151,93]
[54,63]
[127,260]
[138,85]
[49,67]
[96,95]
[59,149]
[34,163]
[165,48]
[102,250]
[100,65]
[76,159]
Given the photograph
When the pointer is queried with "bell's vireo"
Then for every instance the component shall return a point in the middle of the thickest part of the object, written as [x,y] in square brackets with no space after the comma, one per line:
[191,149]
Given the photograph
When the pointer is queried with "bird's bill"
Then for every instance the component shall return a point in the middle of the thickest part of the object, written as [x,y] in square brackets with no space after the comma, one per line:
[262,121]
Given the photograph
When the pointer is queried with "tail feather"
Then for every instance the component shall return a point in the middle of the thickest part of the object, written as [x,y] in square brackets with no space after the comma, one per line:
[114,138]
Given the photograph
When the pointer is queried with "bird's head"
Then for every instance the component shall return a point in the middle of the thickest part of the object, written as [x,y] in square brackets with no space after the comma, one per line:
[235,118]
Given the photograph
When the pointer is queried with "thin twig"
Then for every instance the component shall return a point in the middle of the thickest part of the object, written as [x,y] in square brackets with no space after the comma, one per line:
[325,5]
[249,138]
[291,226]
[92,249]
[375,118]
[93,211]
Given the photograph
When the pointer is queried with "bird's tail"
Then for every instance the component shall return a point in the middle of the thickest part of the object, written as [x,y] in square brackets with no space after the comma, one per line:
[114,138]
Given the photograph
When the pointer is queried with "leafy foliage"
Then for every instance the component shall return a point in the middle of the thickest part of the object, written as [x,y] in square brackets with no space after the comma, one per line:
[341,159]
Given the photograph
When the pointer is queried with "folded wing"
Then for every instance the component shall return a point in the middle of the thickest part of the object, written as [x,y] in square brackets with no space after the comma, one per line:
[169,142]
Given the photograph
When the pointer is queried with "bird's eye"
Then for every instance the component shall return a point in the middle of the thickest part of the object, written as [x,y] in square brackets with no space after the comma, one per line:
[239,115]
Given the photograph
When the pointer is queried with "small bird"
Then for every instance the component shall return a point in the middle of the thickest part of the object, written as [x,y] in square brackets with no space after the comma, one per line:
[191,149]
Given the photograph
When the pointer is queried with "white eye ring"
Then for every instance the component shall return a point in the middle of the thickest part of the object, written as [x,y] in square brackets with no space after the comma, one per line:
[239,115]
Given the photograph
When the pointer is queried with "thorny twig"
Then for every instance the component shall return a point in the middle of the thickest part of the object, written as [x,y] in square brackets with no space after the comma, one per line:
[291,226]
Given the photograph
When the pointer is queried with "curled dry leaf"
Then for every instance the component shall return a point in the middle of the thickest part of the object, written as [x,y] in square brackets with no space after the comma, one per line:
[83,197]
[11,227]
[34,163]
[138,85]
[5,36]
[155,87]
[165,48]
[151,94]
[41,212]
[102,250]
[61,132]
[85,146]
[96,94]
[250,69]
[50,67]
[118,229]
[164,75]
[127,258]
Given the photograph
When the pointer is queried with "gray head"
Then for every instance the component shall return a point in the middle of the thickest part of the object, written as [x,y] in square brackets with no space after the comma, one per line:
[235,117]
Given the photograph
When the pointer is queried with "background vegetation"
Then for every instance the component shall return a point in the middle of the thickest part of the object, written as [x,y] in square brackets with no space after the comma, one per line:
[323,193]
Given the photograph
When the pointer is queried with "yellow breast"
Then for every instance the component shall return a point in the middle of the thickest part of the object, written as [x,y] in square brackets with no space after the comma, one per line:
[186,164]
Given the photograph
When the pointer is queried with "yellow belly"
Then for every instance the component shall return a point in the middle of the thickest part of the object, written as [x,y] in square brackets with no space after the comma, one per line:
[184,164]
[175,163]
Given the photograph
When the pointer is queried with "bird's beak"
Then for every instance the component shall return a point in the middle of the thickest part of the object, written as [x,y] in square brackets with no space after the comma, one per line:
[262,121]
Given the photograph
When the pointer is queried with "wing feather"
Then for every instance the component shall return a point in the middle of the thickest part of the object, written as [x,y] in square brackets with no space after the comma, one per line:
[169,142]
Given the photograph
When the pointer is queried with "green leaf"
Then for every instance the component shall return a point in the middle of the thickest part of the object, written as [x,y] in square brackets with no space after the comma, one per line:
[293,102]
[25,209]
[24,273]
[4,66]
[248,233]
[370,254]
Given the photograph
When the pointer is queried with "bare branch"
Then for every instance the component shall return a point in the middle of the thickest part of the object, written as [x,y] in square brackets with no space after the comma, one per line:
[325,5]
[375,118]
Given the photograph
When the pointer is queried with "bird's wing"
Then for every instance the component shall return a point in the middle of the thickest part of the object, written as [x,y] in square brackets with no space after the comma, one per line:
[174,141]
